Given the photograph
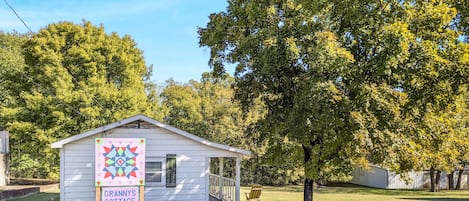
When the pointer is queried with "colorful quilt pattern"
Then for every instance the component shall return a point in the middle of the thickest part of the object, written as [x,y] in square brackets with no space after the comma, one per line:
[120,161]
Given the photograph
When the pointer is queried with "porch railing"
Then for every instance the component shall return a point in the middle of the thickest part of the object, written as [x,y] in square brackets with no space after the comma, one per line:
[222,188]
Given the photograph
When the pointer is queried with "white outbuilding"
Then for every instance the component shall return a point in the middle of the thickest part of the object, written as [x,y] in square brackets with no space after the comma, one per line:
[176,163]
[379,177]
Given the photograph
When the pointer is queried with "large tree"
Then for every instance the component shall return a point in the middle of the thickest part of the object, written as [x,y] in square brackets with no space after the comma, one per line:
[343,80]
[76,77]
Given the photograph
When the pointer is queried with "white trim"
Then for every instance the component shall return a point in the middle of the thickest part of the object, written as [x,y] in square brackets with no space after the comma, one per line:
[62,174]
[142,117]
[238,179]
[221,164]
[207,180]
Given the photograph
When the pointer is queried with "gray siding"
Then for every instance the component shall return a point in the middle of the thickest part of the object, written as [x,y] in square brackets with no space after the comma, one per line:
[375,177]
[78,165]
[382,178]
[417,181]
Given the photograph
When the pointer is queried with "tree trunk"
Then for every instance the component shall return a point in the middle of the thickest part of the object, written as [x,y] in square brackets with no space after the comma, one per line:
[308,190]
[308,187]
[432,179]
[451,181]
[321,148]
[437,180]
[458,184]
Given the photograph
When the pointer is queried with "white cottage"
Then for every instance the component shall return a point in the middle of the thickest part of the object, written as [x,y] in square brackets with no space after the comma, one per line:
[191,179]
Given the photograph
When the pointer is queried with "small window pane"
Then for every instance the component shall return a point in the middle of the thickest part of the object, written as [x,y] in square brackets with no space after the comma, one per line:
[171,170]
[153,177]
[153,166]
[153,171]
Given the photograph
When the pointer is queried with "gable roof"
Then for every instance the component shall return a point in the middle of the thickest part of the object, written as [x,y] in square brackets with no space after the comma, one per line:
[142,117]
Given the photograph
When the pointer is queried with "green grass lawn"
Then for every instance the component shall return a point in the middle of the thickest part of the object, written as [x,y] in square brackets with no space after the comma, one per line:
[44,196]
[295,193]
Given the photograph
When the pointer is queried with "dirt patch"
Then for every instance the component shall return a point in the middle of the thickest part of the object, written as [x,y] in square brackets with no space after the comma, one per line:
[25,187]
[18,192]
[35,182]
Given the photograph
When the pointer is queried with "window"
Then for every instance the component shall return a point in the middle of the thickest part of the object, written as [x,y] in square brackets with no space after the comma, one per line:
[154,171]
[171,170]
[161,171]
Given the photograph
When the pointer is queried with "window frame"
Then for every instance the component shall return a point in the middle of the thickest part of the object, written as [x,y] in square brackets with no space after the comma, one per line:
[173,158]
[161,160]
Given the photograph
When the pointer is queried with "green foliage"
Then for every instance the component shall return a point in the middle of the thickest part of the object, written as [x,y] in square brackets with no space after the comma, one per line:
[205,108]
[25,166]
[73,78]
[441,138]
[11,65]
[183,106]
[155,109]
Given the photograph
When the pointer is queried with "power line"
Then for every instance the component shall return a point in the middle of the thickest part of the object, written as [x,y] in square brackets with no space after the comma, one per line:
[86,116]
[60,100]
[103,121]
[18,16]
[64,103]
[32,81]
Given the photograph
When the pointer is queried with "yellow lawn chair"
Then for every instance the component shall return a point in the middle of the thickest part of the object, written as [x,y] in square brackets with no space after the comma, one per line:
[255,193]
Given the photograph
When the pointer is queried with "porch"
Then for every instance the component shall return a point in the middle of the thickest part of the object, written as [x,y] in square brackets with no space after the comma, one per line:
[224,179]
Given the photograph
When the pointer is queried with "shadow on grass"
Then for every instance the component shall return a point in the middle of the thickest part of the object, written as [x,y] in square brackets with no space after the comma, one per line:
[401,192]
[291,188]
[354,190]
[436,199]
[374,191]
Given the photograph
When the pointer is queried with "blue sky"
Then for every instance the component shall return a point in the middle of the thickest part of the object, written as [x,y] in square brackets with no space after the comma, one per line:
[166,30]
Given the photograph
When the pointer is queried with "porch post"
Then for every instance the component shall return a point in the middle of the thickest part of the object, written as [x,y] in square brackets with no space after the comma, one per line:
[238,178]
[220,180]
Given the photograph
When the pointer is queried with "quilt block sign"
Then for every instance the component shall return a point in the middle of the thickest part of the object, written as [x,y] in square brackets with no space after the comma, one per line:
[120,162]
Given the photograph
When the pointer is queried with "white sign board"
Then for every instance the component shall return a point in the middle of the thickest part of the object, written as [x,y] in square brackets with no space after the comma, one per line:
[119,194]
